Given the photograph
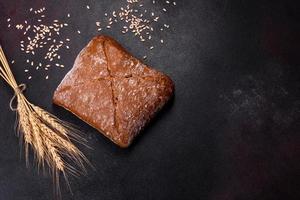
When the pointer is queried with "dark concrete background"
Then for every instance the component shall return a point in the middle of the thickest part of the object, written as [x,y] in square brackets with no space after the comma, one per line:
[232,131]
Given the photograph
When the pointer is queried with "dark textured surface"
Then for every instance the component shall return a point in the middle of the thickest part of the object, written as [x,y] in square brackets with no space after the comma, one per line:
[232,132]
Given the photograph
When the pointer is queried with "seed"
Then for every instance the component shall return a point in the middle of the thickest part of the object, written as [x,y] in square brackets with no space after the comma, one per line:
[133,16]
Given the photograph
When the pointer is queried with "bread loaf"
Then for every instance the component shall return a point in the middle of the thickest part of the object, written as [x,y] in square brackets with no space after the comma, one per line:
[113,91]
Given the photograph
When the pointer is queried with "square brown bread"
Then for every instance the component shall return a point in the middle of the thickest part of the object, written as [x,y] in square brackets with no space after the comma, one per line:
[113,91]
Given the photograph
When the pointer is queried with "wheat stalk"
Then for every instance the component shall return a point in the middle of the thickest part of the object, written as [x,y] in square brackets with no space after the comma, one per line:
[50,138]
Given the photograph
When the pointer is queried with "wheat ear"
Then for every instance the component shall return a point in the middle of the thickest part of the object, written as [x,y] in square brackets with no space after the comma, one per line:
[51,139]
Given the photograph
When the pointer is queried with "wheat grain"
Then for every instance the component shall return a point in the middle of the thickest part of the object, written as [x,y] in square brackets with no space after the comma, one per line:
[54,158]
[36,138]
[51,120]
[24,127]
